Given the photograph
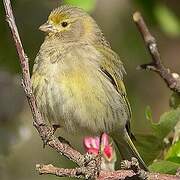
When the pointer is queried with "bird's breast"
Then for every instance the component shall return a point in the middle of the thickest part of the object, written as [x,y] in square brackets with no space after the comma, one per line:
[76,95]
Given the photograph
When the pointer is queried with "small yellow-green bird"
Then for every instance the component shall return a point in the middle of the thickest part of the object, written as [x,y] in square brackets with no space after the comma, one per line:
[78,80]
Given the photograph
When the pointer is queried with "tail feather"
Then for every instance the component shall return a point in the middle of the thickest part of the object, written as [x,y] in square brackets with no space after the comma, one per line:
[128,150]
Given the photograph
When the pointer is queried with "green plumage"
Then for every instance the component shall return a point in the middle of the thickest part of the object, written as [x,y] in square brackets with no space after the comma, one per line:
[78,79]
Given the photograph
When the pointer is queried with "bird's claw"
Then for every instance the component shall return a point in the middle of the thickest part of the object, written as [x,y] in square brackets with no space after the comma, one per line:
[94,162]
[49,133]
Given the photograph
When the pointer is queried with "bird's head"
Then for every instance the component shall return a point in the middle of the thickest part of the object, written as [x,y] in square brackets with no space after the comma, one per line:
[70,24]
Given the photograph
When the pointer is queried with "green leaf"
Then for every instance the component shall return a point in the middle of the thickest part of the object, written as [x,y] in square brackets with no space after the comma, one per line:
[149,146]
[176,137]
[164,167]
[167,20]
[87,5]
[175,100]
[148,113]
[166,124]
[173,154]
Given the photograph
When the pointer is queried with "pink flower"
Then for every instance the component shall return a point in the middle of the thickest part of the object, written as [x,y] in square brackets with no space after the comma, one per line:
[91,145]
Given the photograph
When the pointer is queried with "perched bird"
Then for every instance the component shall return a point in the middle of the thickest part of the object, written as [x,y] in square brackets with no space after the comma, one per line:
[78,80]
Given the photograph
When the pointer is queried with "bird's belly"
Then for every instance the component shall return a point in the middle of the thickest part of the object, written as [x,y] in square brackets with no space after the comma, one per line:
[79,102]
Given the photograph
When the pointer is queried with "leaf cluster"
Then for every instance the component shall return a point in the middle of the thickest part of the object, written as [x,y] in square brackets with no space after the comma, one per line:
[161,147]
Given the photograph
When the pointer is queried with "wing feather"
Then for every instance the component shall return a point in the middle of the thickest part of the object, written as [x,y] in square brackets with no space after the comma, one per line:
[113,68]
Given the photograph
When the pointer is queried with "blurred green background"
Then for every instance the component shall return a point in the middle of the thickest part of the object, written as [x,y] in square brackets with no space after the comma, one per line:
[20,145]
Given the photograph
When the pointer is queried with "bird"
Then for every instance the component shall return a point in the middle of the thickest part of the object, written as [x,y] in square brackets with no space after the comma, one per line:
[77,80]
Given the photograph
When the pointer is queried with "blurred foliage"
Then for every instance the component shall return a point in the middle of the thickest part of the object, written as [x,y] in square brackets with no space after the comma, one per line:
[164,167]
[153,147]
[175,100]
[11,92]
[159,13]
[87,5]
[167,20]
[173,154]
[166,123]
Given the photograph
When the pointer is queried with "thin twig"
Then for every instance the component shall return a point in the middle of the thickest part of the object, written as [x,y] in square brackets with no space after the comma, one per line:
[104,175]
[45,131]
[60,172]
[172,79]
[23,62]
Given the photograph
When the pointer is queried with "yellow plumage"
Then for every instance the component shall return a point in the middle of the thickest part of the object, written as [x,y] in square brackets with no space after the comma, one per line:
[78,79]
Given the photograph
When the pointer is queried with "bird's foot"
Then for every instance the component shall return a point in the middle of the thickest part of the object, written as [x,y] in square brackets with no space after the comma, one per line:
[98,164]
[134,165]
[93,162]
[48,135]
[45,131]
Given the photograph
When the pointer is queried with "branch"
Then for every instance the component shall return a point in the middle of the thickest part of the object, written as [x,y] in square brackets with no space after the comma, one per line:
[45,131]
[104,175]
[172,79]
[60,172]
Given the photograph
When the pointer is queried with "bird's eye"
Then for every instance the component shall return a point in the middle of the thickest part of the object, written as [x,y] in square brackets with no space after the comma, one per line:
[64,24]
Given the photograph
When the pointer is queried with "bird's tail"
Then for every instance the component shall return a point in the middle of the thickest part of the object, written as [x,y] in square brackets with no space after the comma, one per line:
[127,149]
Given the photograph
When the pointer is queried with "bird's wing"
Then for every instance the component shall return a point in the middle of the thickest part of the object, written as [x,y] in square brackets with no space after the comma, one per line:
[112,67]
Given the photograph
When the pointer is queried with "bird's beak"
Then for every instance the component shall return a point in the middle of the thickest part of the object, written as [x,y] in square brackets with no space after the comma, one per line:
[46,27]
